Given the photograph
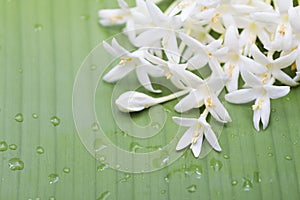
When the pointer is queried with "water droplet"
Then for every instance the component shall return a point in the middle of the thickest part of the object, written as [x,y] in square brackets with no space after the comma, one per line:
[84,17]
[55,120]
[216,164]
[38,27]
[66,170]
[102,158]
[256,177]
[191,188]
[93,67]
[99,144]
[118,166]
[19,117]
[102,167]
[156,125]
[104,196]
[122,133]
[288,157]
[247,184]
[193,169]
[273,110]
[95,126]
[35,116]
[52,198]
[16,164]
[13,147]
[134,146]
[167,110]
[20,70]
[163,191]
[226,156]
[53,178]
[269,148]
[125,178]
[3,146]
[270,154]
[40,150]
[234,182]
[288,98]
[276,119]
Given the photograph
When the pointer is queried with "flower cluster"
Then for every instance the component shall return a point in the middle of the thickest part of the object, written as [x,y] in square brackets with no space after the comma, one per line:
[246,45]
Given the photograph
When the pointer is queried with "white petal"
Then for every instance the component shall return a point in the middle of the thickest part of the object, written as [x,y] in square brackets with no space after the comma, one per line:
[285,61]
[145,80]
[251,79]
[186,139]
[185,121]
[275,92]
[117,73]
[283,5]
[231,38]
[170,46]
[294,16]
[110,50]
[232,84]
[241,96]
[256,118]
[212,139]
[188,102]
[265,112]
[284,78]
[155,13]
[198,61]
[196,148]
[149,36]
[219,109]
[118,48]
[259,56]
[191,42]
[122,4]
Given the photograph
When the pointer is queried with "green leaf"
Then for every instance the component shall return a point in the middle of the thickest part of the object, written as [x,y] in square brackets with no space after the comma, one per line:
[42,45]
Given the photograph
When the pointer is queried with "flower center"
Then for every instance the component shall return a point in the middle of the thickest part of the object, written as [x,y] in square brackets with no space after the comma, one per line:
[258,105]
[281,30]
[169,75]
[208,103]
[215,18]
[264,78]
[195,137]
[124,60]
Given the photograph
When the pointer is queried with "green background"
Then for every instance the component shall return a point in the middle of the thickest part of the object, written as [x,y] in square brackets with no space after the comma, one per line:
[42,45]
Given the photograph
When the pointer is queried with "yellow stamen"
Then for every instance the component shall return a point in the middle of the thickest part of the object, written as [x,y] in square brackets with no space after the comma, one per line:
[258,105]
[215,18]
[209,54]
[124,60]
[169,75]
[264,78]
[230,69]
[195,137]
[202,8]
[281,30]
[209,103]
[294,66]
[113,19]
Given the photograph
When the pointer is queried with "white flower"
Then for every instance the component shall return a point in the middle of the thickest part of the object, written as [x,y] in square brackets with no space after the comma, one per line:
[129,62]
[133,101]
[194,135]
[261,91]
[205,93]
[274,67]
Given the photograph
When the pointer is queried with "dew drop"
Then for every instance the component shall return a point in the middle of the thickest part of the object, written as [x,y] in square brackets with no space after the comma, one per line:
[288,157]
[234,182]
[288,98]
[102,167]
[163,191]
[84,17]
[53,178]
[13,147]
[118,166]
[52,198]
[216,164]
[191,188]
[247,185]
[19,117]
[55,120]
[125,178]
[20,70]
[93,67]
[225,156]
[38,27]
[134,146]
[270,154]
[3,146]
[15,164]
[104,196]
[35,116]
[99,144]
[156,125]
[66,170]
[95,127]
[256,177]
[40,150]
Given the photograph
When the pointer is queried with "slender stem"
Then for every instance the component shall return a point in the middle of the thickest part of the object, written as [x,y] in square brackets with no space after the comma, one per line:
[171,96]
